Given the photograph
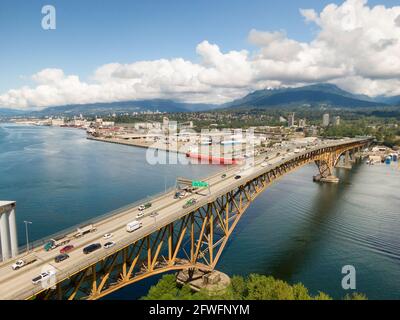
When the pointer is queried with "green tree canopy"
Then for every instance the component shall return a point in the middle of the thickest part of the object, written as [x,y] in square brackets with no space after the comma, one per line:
[252,287]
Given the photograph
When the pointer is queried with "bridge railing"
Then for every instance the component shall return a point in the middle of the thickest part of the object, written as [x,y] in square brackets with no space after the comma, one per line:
[91,260]
[101,218]
[95,220]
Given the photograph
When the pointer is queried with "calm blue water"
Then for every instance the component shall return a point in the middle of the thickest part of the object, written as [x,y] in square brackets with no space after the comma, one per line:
[297,230]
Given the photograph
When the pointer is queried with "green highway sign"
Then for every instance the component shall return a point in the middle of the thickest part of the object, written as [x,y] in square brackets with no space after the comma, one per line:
[199,184]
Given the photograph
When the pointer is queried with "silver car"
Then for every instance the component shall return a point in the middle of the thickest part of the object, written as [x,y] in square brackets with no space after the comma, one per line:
[109,245]
[43,276]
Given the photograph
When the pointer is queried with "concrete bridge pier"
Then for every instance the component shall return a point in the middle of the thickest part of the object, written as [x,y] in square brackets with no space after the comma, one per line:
[325,168]
[347,161]
[352,157]
[330,179]
[8,230]
[214,281]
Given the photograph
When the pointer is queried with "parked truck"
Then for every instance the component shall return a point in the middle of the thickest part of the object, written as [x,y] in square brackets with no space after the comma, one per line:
[81,231]
[23,262]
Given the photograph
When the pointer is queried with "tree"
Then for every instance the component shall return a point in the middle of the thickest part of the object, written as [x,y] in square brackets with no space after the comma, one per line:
[356,296]
[166,289]
[252,287]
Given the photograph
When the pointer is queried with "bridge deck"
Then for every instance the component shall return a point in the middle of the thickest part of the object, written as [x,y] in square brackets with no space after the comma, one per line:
[18,285]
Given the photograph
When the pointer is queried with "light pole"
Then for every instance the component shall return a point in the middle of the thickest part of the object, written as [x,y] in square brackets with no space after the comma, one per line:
[27,236]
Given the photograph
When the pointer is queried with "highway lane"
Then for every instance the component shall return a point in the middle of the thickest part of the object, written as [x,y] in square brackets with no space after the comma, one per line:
[14,283]
[165,206]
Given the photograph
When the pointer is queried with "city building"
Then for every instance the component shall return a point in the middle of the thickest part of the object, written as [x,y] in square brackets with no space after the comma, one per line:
[57,122]
[336,121]
[325,120]
[165,122]
[302,123]
[291,122]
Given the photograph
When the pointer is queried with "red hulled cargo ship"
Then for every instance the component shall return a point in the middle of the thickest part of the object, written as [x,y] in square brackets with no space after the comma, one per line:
[203,158]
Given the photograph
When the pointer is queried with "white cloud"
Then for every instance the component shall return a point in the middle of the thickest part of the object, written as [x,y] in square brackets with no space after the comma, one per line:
[310,15]
[356,47]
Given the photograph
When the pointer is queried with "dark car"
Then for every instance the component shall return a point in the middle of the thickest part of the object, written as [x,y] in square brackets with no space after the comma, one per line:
[238,177]
[177,195]
[61,257]
[67,248]
[223,176]
[91,248]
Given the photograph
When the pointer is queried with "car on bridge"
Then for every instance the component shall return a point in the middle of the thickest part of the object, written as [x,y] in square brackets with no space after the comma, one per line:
[61,257]
[189,203]
[109,245]
[237,177]
[43,276]
[140,214]
[107,236]
[180,194]
[92,247]
[67,248]
[144,206]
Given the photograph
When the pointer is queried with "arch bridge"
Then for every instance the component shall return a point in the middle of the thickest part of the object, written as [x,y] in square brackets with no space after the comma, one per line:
[185,237]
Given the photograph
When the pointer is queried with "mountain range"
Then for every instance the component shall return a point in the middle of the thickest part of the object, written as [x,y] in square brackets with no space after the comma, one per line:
[328,95]
[161,105]
[317,95]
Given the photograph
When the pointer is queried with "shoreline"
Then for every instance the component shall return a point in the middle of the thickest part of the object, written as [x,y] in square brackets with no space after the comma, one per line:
[140,145]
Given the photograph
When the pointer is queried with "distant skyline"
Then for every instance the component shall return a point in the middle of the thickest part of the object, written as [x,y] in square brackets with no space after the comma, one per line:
[193,51]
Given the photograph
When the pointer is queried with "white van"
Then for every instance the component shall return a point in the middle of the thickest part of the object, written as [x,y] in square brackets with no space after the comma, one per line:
[132,226]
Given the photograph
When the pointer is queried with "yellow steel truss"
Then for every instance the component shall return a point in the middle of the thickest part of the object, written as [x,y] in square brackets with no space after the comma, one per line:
[194,241]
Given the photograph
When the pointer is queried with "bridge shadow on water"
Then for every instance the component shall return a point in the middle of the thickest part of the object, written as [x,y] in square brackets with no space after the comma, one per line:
[296,250]
[304,241]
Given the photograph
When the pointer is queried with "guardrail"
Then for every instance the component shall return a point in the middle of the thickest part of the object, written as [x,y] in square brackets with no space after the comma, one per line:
[101,218]
[97,219]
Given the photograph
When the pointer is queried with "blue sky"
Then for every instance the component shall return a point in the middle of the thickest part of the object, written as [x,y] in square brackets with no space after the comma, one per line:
[92,33]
